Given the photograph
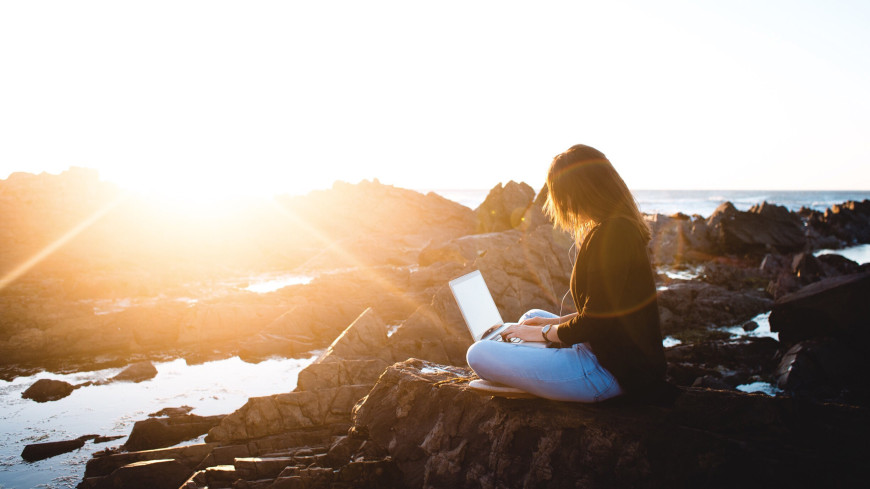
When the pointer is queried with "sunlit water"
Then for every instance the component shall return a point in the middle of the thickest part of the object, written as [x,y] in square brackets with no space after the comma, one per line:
[218,387]
[264,283]
[859,254]
[701,202]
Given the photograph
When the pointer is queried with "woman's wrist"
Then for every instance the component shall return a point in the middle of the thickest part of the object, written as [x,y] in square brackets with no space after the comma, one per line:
[552,333]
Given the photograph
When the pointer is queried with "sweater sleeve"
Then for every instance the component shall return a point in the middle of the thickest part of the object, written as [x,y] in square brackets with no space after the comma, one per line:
[612,252]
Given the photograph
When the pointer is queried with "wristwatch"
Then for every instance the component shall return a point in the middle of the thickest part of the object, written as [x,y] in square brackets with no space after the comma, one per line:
[544,332]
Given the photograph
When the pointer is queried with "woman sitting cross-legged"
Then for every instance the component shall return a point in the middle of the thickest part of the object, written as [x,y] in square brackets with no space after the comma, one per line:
[612,346]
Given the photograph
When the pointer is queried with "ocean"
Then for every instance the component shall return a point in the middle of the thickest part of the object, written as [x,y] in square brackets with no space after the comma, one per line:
[701,202]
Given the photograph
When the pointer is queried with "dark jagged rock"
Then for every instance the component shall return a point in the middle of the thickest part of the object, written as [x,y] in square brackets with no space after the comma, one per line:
[764,227]
[44,390]
[827,369]
[734,362]
[693,306]
[849,221]
[835,307]
[441,434]
[504,207]
[154,433]
[137,372]
[835,265]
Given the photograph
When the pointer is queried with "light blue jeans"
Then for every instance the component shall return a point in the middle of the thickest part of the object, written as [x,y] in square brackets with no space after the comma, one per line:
[561,374]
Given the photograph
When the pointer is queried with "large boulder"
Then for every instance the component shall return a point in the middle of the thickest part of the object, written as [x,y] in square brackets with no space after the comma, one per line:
[828,369]
[763,228]
[835,306]
[504,207]
[439,433]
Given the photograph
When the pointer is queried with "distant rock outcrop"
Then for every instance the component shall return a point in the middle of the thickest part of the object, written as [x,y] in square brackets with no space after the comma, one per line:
[764,227]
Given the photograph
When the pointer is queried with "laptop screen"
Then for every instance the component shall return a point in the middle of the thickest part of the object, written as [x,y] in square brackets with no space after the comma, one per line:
[475,302]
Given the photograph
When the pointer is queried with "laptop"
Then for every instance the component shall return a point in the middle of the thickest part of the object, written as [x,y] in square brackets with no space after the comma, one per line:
[479,310]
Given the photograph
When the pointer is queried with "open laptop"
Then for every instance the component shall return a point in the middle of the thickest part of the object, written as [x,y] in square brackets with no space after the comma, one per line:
[478,308]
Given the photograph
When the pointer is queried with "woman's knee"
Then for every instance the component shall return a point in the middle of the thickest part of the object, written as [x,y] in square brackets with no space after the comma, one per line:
[475,354]
[483,357]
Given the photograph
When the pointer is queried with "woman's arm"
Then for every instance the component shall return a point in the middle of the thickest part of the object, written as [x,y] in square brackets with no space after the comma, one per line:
[542,321]
[613,251]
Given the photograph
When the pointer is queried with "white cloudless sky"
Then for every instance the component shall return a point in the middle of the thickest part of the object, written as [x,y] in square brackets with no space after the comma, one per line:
[284,97]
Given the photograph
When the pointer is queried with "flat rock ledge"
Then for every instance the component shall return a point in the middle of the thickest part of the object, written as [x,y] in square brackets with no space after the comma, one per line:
[439,433]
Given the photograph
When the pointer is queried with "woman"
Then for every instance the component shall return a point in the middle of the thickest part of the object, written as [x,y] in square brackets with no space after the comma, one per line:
[613,345]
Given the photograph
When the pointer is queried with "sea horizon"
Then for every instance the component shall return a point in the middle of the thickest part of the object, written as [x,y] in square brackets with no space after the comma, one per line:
[700,202]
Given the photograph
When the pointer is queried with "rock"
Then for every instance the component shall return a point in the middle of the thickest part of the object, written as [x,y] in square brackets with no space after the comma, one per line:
[836,307]
[172,411]
[44,390]
[849,221]
[271,415]
[773,263]
[40,451]
[806,268]
[750,326]
[105,439]
[763,228]
[342,450]
[150,474]
[825,369]
[734,362]
[711,382]
[467,249]
[697,305]
[370,224]
[154,433]
[137,372]
[835,265]
[336,372]
[441,434]
[677,240]
[365,337]
[190,456]
[504,207]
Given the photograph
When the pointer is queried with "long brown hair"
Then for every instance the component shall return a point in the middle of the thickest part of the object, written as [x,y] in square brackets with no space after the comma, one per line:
[584,190]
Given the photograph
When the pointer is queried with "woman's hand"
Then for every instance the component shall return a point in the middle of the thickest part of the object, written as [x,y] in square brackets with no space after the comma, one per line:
[523,331]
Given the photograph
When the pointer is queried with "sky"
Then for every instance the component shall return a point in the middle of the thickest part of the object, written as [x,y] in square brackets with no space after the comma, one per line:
[219,98]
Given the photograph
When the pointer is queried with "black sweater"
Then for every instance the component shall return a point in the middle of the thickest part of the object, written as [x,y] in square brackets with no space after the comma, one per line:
[614,292]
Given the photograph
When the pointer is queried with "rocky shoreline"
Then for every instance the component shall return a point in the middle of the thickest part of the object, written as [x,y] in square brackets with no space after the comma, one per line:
[364,415]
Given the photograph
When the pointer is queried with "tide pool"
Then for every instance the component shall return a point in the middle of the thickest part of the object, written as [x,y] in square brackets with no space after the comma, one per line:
[218,387]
